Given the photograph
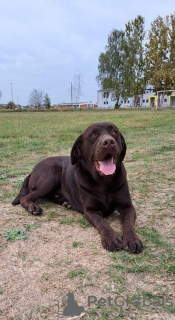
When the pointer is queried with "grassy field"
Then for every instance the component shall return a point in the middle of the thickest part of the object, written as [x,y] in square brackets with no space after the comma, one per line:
[43,258]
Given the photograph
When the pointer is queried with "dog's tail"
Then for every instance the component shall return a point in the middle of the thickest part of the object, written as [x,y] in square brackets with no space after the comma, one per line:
[23,192]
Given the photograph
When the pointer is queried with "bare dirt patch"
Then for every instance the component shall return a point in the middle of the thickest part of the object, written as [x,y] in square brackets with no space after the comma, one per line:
[34,271]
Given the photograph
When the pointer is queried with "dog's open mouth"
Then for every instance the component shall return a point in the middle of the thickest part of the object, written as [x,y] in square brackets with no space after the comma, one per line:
[106,166]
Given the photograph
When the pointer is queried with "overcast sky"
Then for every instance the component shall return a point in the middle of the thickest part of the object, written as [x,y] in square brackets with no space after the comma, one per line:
[44,43]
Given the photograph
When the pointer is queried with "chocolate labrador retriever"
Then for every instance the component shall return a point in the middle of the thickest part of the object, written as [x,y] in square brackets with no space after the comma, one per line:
[92,180]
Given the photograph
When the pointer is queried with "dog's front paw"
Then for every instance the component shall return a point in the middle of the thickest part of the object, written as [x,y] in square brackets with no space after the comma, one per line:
[111,240]
[132,243]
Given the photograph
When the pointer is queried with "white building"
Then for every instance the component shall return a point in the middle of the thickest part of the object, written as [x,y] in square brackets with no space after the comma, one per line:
[106,99]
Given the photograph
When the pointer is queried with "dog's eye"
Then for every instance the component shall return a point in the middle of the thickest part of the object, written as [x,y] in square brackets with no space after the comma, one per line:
[93,135]
[114,132]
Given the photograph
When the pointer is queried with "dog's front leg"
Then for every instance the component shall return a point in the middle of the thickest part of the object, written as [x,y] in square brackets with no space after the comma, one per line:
[131,241]
[109,237]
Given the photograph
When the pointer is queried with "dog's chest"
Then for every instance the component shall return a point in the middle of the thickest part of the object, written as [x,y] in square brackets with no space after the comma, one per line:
[105,201]
[109,204]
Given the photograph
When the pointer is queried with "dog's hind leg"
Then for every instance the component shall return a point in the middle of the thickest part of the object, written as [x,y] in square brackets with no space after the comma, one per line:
[27,202]
[23,192]
[38,188]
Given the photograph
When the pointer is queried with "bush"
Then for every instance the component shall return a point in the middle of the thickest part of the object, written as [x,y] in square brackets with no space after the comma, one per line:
[11,105]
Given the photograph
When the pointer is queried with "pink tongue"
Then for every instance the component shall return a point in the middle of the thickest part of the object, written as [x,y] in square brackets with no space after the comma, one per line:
[107,166]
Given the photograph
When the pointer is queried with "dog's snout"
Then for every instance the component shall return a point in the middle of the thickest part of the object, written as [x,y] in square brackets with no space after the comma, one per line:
[108,142]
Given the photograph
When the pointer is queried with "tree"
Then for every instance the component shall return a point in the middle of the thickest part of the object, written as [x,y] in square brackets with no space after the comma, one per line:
[121,66]
[110,64]
[135,35]
[77,86]
[171,61]
[47,102]
[160,54]
[36,98]
[0,94]
[10,105]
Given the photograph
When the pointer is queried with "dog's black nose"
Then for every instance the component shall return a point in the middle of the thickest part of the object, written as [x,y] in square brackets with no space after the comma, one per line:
[108,142]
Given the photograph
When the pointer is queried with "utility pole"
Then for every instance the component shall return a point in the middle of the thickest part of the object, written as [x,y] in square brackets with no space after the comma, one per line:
[11,91]
[71,90]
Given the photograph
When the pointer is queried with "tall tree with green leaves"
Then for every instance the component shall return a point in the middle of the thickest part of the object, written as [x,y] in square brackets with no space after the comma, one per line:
[10,105]
[121,66]
[110,64]
[171,62]
[160,54]
[135,35]
[47,102]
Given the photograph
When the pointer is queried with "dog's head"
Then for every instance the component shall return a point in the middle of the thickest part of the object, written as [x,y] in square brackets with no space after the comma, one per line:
[100,146]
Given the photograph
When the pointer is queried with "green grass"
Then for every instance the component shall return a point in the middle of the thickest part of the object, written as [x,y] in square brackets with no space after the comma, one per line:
[148,262]
[26,138]
[15,234]
[75,244]
[76,273]
[29,226]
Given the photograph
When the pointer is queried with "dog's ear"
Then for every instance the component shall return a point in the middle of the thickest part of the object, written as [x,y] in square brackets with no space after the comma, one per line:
[76,150]
[123,152]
